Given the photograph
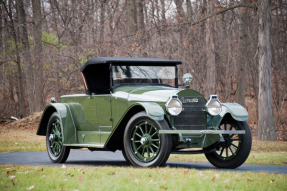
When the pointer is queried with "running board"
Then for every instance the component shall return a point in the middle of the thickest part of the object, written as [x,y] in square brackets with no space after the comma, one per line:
[193,152]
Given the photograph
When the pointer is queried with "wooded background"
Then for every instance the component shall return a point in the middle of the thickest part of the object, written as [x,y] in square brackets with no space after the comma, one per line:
[233,48]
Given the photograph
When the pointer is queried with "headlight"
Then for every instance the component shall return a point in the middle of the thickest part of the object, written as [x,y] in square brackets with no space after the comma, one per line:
[213,105]
[174,106]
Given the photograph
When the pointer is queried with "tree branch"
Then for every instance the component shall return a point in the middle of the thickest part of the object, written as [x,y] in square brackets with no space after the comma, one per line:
[220,12]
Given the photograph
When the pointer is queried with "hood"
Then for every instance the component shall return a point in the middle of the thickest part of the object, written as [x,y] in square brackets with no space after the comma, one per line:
[145,93]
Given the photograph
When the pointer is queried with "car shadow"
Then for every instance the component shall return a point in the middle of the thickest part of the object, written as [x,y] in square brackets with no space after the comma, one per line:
[114,163]
[121,163]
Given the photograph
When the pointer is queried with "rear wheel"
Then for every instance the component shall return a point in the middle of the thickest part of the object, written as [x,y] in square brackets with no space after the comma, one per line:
[234,149]
[54,140]
[143,144]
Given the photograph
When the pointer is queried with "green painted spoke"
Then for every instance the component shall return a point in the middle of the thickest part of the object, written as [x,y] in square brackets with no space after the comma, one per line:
[154,145]
[145,127]
[226,152]
[231,150]
[235,140]
[137,141]
[154,140]
[154,134]
[138,135]
[152,151]
[234,145]
[150,130]
[221,151]
[143,152]
[148,153]
[141,130]
[139,148]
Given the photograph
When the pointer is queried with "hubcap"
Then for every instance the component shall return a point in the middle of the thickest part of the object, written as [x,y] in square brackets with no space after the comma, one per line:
[145,141]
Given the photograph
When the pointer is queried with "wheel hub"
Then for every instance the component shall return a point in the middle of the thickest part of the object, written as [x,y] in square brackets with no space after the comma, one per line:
[52,137]
[144,140]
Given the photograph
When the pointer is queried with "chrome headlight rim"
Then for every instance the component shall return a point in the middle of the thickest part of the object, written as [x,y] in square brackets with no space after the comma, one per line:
[171,109]
[211,107]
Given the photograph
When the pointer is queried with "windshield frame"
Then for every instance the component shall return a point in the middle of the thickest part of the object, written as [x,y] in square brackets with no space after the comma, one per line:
[113,85]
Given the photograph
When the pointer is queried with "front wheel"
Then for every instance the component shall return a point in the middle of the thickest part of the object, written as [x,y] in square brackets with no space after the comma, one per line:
[232,150]
[143,145]
[54,140]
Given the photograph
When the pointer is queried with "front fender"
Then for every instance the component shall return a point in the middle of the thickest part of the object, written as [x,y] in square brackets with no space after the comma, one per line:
[237,112]
[67,121]
[153,110]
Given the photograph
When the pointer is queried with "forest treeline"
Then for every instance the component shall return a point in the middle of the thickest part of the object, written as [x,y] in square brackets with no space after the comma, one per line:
[233,48]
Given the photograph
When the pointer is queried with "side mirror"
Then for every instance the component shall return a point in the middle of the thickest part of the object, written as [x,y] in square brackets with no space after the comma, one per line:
[187,78]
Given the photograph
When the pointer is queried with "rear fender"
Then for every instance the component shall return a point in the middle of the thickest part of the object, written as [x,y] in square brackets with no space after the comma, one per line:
[66,119]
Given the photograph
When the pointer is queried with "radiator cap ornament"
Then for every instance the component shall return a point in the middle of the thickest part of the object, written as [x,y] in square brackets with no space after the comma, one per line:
[187,78]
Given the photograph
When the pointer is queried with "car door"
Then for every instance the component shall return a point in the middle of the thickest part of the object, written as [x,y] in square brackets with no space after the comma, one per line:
[86,118]
[104,117]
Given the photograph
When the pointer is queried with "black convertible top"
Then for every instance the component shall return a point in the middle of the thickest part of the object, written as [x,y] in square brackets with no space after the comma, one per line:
[130,61]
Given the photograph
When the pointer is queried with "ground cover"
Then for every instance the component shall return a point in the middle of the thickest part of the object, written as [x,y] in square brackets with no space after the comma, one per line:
[13,177]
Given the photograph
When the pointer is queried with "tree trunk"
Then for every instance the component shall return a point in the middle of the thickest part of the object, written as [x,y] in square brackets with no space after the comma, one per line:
[37,28]
[242,57]
[26,54]
[265,111]
[210,53]
[102,28]
[22,110]
[132,18]
[180,18]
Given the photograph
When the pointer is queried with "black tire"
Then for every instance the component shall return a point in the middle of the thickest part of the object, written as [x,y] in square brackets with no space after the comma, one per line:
[144,146]
[233,150]
[54,140]
[125,156]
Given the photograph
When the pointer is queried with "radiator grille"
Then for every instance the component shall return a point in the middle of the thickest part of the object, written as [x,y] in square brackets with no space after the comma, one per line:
[193,116]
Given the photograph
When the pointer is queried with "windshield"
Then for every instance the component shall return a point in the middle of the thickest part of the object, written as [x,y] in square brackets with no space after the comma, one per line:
[144,75]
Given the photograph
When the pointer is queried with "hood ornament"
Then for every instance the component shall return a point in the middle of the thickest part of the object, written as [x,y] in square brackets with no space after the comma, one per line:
[187,78]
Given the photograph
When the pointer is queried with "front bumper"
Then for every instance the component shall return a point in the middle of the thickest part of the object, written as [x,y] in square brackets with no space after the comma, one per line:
[200,132]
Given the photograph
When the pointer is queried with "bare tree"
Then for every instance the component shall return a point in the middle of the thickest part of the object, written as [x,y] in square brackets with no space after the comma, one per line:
[265,109]
[37,28]
[210,52]
[28,68]
[242,57]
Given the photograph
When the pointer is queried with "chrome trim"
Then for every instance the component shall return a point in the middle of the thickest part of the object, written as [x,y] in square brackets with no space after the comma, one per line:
[173,97]
[213,98]
[201,132]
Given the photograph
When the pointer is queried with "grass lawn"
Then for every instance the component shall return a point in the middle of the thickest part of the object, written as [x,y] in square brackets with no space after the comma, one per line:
[15,177]
[129,178]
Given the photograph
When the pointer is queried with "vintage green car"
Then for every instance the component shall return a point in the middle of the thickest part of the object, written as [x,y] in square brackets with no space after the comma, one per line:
[135,105]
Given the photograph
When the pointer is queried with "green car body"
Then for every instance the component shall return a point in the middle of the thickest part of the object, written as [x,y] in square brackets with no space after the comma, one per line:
[98,121]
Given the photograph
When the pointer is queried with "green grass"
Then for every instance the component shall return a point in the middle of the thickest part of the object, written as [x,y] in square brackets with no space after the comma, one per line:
[14,140]
[268,158]
[128,178]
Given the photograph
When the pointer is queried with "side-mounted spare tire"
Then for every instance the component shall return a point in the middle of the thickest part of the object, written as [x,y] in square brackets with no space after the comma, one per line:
[54,140]
[144,146]
[232,150]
